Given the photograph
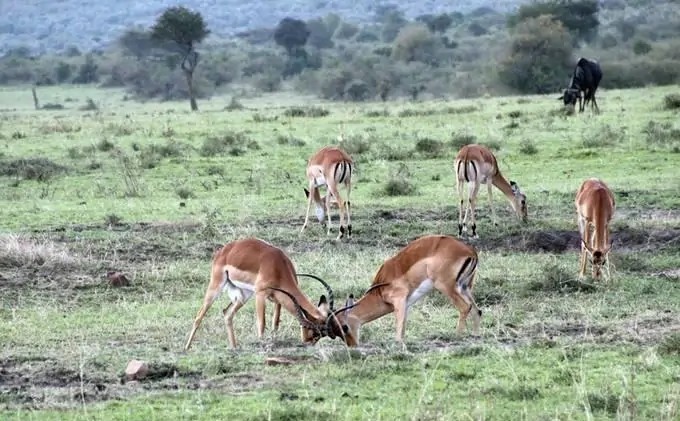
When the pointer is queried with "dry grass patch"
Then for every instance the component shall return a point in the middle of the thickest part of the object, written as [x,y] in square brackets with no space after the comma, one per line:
[19,251]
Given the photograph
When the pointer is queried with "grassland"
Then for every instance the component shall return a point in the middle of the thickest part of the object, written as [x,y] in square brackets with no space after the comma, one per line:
[152,190]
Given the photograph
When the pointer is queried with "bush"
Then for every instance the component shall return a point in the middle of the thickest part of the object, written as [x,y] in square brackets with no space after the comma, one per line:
[399,183]
[671,101]
[528,147]
[231,143]
[431,148]
[40,169]
[306,112]
[415,42]
[460,139]
[539,57]
[641,47]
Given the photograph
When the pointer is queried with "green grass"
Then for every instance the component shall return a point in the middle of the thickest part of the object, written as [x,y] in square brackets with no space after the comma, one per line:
[152,190]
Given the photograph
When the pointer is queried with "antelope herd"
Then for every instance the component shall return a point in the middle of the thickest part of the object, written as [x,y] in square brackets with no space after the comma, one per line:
[248,267]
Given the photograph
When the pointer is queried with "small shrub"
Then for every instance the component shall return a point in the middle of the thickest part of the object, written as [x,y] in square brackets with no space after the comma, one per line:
[494,145]
[75,153]
[431,148]
[461,110]
[184,193]
[112,220]
[512,125]
[641,47]
[259,118]
[40,169]
[290,140]
[399,183]
[670,345]
[606,136]
[52,106]
[105,145]
[603,402]
[234,105]
[228,143]
[458,140]
[90,105]
[528,147]
[671,101]
[18,135]
[661,134]
[377,113]
[555,278]
[215,170]
[306,112]
[356,145]
[515,114]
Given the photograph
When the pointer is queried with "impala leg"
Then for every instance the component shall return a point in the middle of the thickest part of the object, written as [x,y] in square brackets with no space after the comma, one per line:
[229,312]
[341,207]
[465,304]
[309,204]
[210,297]
[260,303]
[489,186]
[400,314]
[276,317]
[348,185]
[474,190]
[461,195]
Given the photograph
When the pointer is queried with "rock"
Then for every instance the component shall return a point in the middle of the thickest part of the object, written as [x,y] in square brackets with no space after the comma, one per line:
[278,361]
[136,370]
[117,279]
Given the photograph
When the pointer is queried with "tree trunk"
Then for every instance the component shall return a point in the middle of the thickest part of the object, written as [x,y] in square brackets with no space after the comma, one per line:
[35,99]
[190,84]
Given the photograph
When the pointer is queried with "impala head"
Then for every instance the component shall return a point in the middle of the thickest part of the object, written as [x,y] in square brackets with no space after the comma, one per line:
[324,323]
[570,96]
[319,206]
[598,258]
[520,202]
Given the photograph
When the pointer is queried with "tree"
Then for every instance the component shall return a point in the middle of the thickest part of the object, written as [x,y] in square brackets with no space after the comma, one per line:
[579,17]
[436,23]
[185,29]
[291,34]
[539,58]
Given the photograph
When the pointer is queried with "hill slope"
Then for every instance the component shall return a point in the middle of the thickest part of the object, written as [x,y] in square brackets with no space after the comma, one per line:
[47,25]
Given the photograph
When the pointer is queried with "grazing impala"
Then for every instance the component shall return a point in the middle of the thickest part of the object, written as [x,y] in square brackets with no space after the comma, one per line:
[430,262]
[251,266]
[595,207]
[476,164]
[330,167]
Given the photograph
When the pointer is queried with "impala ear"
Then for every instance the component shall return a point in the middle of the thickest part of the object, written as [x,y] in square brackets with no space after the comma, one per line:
[562,97]
[322,300]
[306,192]
[514,187]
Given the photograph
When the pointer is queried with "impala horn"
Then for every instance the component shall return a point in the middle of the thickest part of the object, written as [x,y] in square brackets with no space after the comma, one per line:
[301,314]
[325,284]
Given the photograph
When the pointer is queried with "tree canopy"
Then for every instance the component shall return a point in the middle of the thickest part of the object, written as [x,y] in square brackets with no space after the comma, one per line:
[291,34]
[180,25]
[579,17]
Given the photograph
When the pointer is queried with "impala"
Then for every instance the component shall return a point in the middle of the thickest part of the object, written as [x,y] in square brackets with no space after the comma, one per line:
[330,167]
[595,207]
[476,164]
[430,262]
[248,267]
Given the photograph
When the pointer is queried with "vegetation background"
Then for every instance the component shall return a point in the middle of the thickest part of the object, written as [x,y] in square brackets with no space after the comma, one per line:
[109,170]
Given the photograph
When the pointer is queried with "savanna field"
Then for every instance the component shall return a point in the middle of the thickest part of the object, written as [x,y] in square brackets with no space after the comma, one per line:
[152,190]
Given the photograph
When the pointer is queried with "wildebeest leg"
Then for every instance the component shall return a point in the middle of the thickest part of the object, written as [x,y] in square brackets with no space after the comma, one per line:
[595,104]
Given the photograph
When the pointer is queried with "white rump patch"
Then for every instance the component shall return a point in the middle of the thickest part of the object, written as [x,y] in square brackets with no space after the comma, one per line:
[423,289]
[238,291]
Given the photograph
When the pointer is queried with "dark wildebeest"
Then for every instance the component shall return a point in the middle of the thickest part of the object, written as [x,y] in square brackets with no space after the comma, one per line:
[586,78]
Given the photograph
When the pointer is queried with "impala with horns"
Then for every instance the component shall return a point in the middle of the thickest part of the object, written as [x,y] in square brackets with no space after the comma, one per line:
[248,267]
[430,262]
[331,167]
[476,165]
[595,207]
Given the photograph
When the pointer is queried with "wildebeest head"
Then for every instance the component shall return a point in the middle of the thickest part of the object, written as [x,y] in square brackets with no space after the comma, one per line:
[570,96]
